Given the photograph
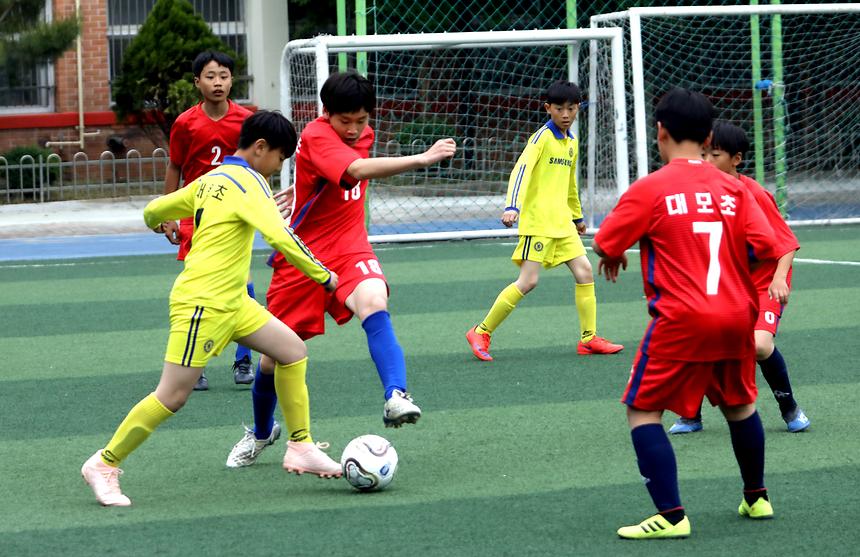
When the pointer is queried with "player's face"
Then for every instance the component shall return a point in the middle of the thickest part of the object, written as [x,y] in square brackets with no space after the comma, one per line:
[215,82]
[268,160]
[720,159]
[349,125]
[562,114]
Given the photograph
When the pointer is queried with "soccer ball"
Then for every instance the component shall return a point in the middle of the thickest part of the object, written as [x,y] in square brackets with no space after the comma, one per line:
[369,463]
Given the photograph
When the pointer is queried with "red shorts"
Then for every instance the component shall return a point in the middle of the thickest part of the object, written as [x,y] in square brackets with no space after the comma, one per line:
[657,385]
[302,303]
[769,314]
[186,231]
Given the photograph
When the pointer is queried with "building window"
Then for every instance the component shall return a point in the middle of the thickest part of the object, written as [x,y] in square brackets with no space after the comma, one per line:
[28,88]
[226,18]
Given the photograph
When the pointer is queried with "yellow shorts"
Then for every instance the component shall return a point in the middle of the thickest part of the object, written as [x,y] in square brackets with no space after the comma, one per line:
[549,252]
[198,333]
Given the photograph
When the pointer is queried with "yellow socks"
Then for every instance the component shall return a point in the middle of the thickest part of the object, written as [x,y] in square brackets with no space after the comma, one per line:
[293,398]
[502,307]
[586,306]
[134,429]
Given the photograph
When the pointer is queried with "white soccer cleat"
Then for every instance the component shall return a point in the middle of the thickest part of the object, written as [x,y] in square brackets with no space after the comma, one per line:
[246,451]
[104,481]
[399,410]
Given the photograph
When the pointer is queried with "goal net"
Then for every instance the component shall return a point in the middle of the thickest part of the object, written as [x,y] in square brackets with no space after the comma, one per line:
[788,74]
[485,91]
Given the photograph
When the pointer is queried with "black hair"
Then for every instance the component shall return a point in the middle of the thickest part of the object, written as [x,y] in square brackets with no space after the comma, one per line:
[730,138]
[208,56]
[686,115]
[346,92]
[272,126]
[563,91]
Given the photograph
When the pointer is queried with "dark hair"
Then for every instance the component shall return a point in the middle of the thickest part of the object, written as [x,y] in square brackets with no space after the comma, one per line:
[272,126]
[347,92]
[686,115]
[730,138]
[208,56]
[563,91]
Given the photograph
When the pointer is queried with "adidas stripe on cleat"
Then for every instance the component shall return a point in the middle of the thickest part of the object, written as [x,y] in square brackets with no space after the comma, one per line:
[655,527]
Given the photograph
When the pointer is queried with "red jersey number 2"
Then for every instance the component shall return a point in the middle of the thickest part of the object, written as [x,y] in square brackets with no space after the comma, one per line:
[714,230]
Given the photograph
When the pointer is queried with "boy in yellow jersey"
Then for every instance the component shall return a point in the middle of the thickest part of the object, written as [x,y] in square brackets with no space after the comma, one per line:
[209,305]
[543,197]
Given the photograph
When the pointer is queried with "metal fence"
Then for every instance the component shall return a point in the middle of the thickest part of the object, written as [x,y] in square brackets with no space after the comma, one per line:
[40,179]
[52,179]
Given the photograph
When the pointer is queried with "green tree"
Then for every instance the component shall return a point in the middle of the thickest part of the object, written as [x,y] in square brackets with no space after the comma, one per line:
[156,77]
[25,40]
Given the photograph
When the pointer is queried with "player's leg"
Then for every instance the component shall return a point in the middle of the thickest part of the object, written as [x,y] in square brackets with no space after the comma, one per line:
[369,301]
[102,471]
[734,388]
[529,261]
[283,345]
[572,252]
[747,436]
[242,362]
[657,465]
[266,430]
[773,366]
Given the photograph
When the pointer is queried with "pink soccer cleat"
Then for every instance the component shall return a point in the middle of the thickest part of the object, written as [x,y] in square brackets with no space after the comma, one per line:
[104,481]
[480,344]
[309,457]
[598,345]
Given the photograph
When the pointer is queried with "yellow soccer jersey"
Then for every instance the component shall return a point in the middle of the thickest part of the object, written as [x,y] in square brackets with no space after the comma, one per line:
[228,204]
[542,187]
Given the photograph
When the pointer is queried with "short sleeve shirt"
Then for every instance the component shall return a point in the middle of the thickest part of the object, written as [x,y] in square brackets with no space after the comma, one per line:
[328,212]
[784,238]
[198,144]
[697,228]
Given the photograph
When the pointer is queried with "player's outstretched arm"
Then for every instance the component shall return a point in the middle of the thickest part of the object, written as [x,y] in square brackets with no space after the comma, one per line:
[170,228]
[177,205]
[383,167]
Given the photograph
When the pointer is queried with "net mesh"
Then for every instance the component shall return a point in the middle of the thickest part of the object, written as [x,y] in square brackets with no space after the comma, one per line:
[809,86]
[489,100]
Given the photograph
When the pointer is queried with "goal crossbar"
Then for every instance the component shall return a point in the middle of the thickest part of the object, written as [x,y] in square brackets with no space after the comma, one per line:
[322,47]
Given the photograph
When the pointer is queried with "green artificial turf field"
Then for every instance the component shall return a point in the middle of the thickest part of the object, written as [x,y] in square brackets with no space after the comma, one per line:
[526,455]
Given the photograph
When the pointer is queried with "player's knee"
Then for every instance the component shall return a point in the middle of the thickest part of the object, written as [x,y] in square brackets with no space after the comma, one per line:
[527,284]
[763,345]
[763,350]
[267,365]
[582,270]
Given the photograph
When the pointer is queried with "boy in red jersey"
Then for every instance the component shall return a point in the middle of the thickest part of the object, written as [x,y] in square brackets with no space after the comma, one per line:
[199,140]
[772,280]
[326,207]
[695,226]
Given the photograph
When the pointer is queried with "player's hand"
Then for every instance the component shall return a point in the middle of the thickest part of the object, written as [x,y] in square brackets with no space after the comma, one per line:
[778,290]
[331,285]
[170,229]
[284,199]
[609,267]
[581,227]
[510,217]
[441,150]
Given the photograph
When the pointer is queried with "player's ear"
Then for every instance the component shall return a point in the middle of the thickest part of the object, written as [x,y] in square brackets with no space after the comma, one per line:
[707,143]
[326,114]
[737,158]
[662,134]
[260,146]
[547,106]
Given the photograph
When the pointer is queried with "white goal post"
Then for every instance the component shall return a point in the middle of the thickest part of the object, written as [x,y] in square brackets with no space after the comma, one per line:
[485,90]
[789,74]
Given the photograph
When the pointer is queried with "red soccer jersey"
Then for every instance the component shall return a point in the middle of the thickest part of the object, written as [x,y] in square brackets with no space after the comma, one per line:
[198,144]
[328,217]
[784,238]
[694,225]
